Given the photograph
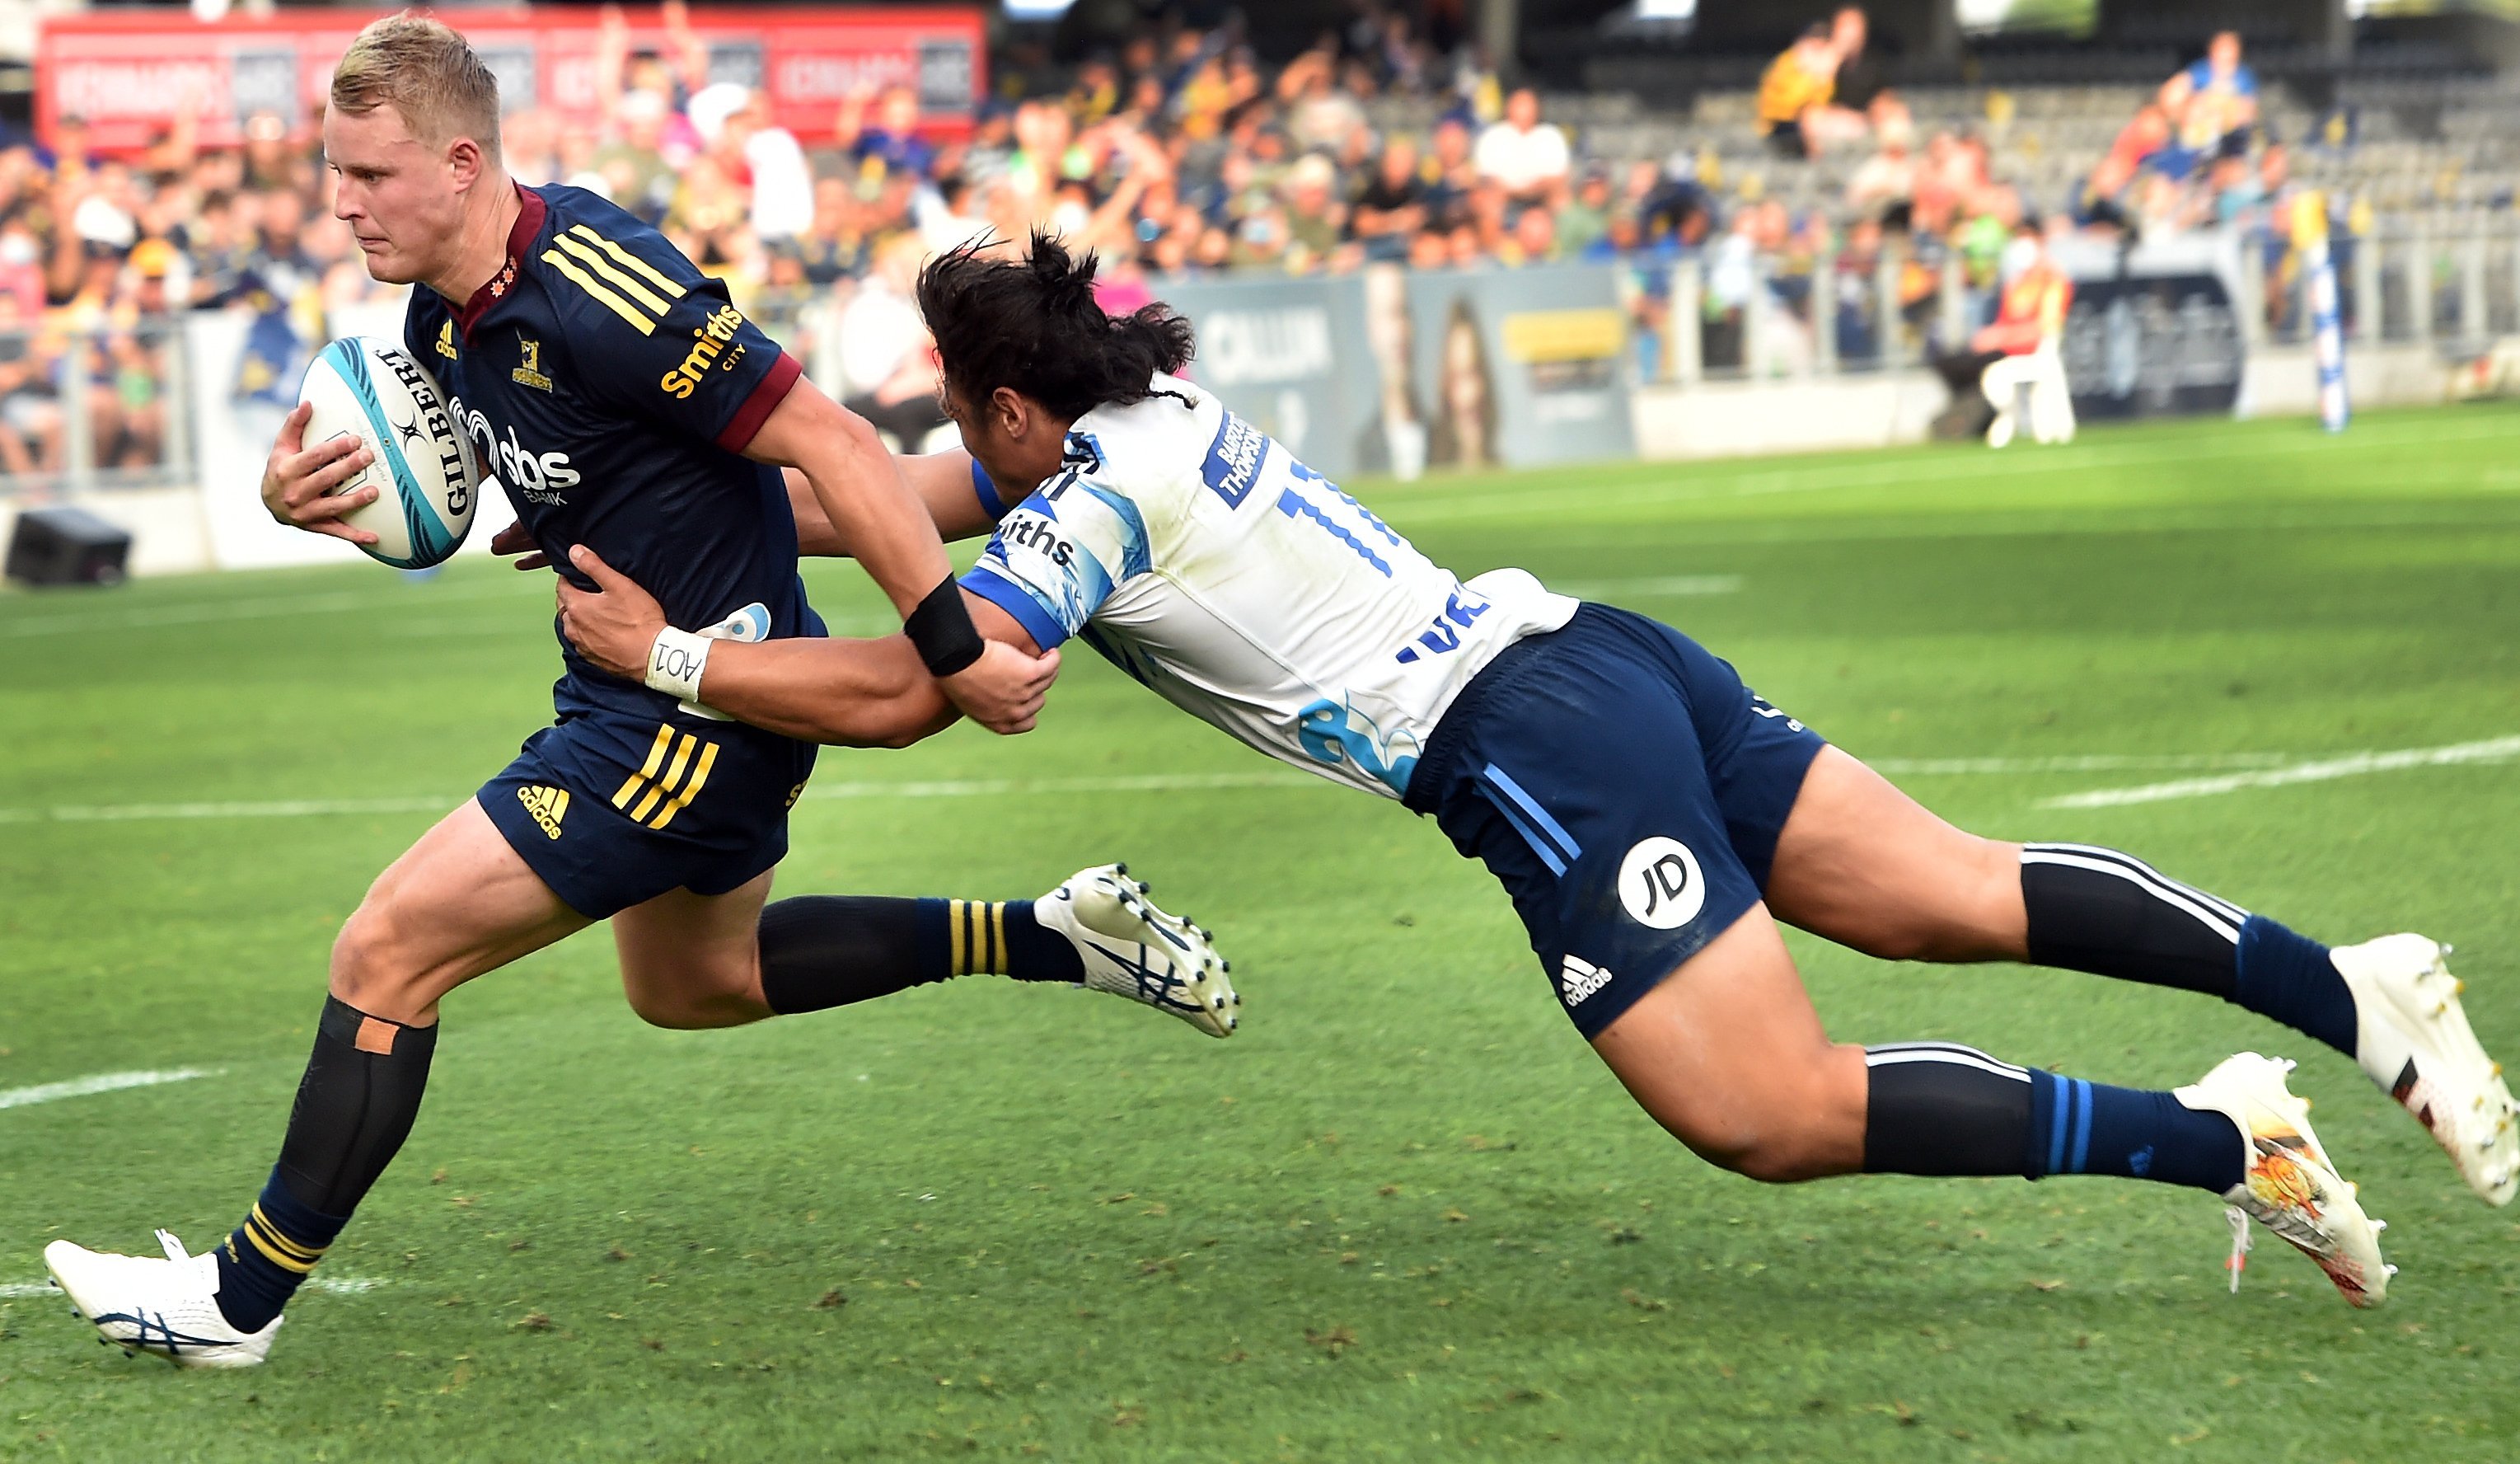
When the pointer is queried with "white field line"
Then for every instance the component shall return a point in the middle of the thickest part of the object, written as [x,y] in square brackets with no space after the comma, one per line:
[2325,769]
[401,597]
[2089,762]
[1931,468]
[337,1285]
[98,1082]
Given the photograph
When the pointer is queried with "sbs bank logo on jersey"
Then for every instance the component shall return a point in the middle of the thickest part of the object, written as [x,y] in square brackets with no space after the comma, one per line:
[1660,883]
[537,476]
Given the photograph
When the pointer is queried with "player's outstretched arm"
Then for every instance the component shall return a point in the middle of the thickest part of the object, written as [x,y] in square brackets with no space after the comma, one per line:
[871,509]
[298,482]
[847,693]
[942,480]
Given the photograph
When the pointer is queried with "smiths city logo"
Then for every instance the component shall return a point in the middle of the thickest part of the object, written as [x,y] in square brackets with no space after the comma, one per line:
[710,340]
[530,372]
[545,804]
[446,339]
[1234,460]
[1580,979]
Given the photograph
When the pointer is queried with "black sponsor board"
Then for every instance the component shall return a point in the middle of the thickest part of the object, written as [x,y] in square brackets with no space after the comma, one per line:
[2153,346]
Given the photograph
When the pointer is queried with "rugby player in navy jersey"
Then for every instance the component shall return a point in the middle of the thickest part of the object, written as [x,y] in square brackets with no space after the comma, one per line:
[1652,821]
[626,407]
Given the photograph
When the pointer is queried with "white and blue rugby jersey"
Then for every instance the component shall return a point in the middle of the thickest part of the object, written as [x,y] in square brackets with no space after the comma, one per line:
[1197,555]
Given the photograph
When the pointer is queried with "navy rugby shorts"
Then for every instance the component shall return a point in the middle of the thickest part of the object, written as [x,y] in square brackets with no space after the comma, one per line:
[1626,789]
[613,810]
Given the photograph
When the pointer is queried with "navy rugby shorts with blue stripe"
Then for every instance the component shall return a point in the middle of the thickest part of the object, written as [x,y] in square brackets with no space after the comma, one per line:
[613,810]
[1626,789]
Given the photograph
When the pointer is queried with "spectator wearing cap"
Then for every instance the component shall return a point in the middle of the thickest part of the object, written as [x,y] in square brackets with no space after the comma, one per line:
[1801,79]
[1522,152]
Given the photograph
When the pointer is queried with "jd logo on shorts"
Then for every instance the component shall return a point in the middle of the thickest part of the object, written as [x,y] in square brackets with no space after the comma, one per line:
[1661,884]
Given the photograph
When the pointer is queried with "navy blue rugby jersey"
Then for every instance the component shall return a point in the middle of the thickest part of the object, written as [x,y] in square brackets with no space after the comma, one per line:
[610,388]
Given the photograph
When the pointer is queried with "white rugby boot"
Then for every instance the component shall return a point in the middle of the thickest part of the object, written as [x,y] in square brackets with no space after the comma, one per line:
[167,1308]
[2412,1035]
[1131,948]
[2291,1185]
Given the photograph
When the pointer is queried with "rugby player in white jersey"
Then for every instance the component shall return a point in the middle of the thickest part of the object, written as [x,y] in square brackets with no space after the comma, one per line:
[1653,819]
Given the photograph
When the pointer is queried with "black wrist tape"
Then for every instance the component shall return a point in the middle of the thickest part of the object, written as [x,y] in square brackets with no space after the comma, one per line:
[941,629]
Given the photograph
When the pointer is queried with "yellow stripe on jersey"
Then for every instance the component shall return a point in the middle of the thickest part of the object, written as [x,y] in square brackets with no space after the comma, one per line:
[628,260]
[955,963]
[655,303]
[998,935]
[655,759]
[605,298]
[691,790]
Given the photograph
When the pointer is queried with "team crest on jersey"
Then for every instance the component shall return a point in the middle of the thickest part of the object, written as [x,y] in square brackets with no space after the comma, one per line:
[529,373]
[1234,460]
[546,805]
[446,339]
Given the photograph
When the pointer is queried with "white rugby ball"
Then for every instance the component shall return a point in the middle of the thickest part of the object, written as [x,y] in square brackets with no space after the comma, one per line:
[422,464]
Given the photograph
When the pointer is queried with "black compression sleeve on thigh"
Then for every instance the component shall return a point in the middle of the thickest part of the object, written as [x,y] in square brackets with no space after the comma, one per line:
[2107,913]
[828,950]
[1937,1107]
[354,1107]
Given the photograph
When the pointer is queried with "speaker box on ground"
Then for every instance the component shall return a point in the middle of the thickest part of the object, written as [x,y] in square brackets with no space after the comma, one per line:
[67,546]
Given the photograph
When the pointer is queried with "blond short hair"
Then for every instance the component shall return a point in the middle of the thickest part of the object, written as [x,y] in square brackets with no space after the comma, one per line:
[427,73]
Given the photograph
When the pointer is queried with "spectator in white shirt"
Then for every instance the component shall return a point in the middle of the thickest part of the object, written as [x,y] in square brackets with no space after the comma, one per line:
[1526,155]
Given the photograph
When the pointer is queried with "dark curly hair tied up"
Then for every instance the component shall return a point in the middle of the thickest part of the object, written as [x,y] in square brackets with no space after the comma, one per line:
[1032,324]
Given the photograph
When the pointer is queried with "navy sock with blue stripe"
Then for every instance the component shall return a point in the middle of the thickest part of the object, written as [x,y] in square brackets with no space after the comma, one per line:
[2081,1127]
[2109,913]
[2288,976]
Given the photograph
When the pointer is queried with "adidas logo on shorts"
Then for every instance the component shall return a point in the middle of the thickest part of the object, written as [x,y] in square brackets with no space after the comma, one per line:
[1581,978]
[548,805]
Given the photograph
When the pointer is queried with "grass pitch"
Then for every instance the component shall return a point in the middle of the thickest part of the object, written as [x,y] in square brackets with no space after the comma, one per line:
[1405,1212]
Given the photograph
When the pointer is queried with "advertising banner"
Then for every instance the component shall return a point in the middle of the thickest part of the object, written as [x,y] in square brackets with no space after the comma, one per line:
[1290,357]
[129,75]
[2153,329]
[1390,371]
[1518,366]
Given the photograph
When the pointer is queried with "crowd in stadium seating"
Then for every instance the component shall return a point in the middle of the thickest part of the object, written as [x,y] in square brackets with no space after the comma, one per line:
[1181,153]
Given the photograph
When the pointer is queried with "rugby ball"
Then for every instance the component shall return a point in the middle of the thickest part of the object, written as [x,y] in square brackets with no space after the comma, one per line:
[422,464]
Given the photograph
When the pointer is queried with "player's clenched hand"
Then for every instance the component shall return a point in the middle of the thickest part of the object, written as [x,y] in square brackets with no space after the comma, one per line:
[612,625]
[299,482]
[515,538]
[1003,691]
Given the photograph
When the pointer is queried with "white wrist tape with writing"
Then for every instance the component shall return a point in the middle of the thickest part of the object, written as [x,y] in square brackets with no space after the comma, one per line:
[675,662]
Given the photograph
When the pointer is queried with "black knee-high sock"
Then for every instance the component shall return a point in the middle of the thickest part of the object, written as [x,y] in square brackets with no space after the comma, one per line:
[2104,912]
[828,950]
[1937,1107]
[355,1106]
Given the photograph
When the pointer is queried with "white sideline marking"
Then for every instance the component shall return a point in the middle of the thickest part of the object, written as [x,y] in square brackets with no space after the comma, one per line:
[337,1285]
[1934,468]
[2089,762]
[966,788]
[2350,765]
[98,1082]
[1667,585]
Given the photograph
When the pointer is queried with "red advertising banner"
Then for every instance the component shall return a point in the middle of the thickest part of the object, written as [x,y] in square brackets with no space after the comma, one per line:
[129,75]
